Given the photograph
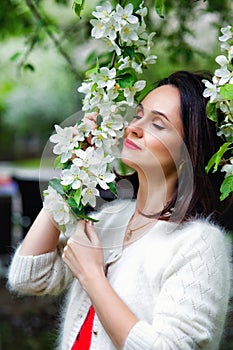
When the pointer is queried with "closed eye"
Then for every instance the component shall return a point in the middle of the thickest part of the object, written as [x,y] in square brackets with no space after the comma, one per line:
[159,127]
[135,117]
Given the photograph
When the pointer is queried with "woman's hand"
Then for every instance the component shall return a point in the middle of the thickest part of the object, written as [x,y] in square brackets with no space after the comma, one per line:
[90,119]
[83,255]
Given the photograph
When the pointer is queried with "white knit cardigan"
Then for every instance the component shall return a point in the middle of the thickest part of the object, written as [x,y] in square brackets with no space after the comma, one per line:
[175,278]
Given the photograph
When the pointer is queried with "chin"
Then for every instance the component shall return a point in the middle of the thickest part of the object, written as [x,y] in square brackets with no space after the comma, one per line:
[131,166]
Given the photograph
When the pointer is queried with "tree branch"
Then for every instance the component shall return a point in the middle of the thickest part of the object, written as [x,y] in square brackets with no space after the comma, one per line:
[39,16]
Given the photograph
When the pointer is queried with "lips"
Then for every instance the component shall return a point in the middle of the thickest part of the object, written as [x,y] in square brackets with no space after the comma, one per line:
[130,144]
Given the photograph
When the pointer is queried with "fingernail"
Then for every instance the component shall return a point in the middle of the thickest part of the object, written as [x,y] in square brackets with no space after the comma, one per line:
[90,223]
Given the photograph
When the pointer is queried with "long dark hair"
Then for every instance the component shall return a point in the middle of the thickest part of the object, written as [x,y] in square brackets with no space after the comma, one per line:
[201,141]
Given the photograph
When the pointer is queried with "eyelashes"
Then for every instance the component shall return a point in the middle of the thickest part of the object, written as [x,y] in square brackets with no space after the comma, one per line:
[157,126]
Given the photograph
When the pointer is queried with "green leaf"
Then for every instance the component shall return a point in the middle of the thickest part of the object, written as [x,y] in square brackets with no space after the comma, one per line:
[99,119]
[57,163]
[128,51]
[71,202]
[93,70]
[87,218]
[56,185]
[78,6]
[226,91]
[15,56]
[29,66]
[159,7]
[112,187]
[139,57]
[126,78]
[226,187]
[77,195]
[211,111]
[217,157]
[123,169]
[80,213]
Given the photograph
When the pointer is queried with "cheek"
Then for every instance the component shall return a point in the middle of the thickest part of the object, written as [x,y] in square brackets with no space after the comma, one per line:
[166,151]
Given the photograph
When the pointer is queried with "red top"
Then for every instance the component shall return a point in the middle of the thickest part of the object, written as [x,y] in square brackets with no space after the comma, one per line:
[83,340]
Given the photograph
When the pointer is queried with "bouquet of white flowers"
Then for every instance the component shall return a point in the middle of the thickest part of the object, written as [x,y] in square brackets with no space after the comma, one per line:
[85,154]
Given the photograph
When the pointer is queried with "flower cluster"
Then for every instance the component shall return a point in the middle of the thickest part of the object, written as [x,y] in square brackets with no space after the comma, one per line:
[125,34]
[86,151]
[220,92]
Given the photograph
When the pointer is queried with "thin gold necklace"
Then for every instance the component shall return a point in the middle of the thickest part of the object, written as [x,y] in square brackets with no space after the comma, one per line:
[130,231]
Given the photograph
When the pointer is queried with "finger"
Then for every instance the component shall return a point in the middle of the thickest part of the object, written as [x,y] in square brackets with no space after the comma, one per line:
[91,234]
[79,236]
[90,119]
[91,116]
[66,253]
[75,131]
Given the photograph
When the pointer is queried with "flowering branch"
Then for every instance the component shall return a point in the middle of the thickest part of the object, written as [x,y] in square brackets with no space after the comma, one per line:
[85,154]
[220,91]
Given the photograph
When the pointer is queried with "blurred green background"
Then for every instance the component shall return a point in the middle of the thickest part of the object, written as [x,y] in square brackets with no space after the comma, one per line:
[45,50]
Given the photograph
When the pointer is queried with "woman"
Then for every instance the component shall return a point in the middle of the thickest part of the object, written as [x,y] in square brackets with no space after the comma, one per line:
[152,273]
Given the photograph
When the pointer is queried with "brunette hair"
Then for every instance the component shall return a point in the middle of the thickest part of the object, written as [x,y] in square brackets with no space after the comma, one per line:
[201,141]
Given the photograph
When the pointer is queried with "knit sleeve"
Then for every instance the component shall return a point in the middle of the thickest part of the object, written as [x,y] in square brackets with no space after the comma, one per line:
[38,275]
[190,310]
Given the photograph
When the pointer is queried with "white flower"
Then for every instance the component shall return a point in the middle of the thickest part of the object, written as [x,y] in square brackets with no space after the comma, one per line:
[100,159]
[226,130]
[105,78]
[112,124]
[127,62]
[107,108]
[89,195]
[57,206]
[222,60]
[71,177]
[112,46]
[210,91]
[124,15]
[111,29]
[98,96]
[227,34]
[84,158]
[230,53]
[142,11]
[84,129]
[128,33]
[150,60]
[130,91]
[225,75]
[228,168]
[225,46]
[103,177]
[98,30]
[85,88]
[98,138]
[103,12]
[223,105]
[65,142]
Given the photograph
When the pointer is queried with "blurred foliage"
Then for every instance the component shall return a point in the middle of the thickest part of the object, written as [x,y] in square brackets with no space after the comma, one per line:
[46,48]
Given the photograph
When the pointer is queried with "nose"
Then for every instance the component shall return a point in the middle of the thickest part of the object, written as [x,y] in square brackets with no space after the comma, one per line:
[136,128]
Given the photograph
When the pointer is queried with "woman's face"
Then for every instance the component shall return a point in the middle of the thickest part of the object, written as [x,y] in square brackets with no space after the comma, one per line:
[153,139]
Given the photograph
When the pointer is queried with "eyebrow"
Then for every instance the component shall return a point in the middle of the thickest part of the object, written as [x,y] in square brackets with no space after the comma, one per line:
[153,111]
